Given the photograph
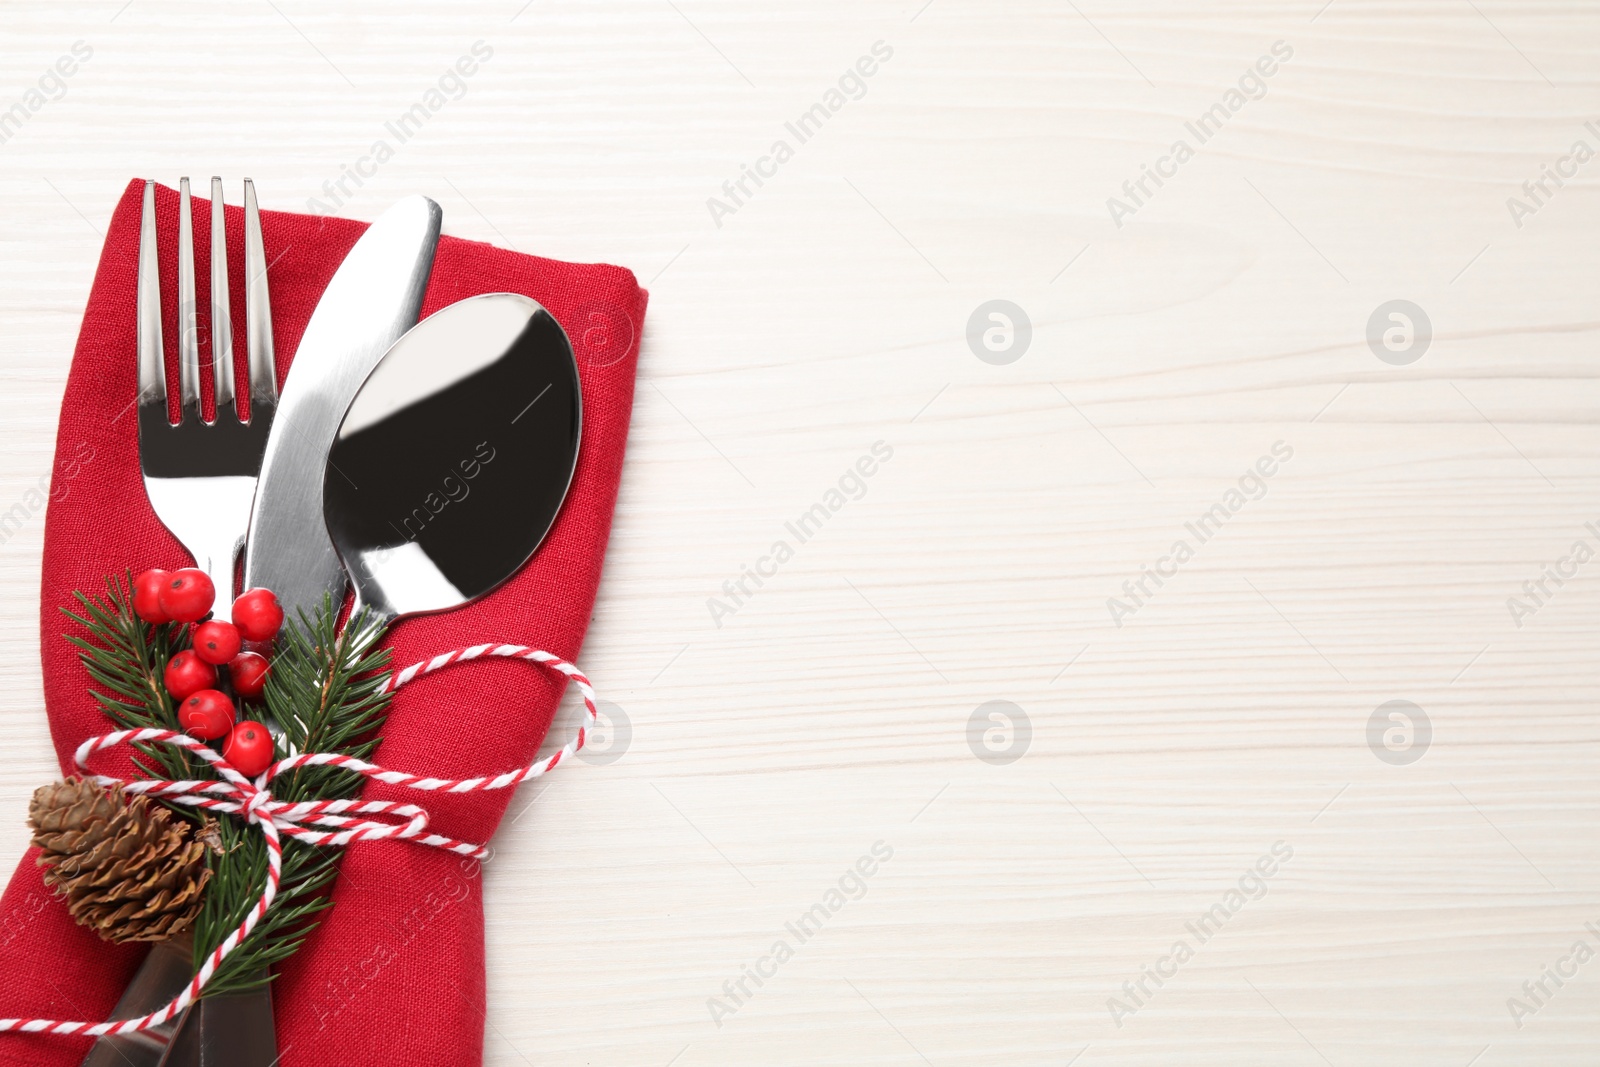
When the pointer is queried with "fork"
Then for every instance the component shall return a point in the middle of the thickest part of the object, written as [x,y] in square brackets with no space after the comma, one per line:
[200,474]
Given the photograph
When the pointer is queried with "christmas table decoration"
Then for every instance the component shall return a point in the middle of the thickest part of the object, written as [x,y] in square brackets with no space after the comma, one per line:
[133,873]
[346,868]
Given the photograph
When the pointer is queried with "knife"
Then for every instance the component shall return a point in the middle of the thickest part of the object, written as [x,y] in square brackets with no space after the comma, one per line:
[374,297]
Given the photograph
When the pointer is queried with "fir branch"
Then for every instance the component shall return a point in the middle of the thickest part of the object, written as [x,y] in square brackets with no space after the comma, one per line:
[127,657]
[325,691]
[240,874]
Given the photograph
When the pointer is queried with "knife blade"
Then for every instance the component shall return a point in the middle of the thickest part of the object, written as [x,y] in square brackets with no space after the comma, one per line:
[374,297]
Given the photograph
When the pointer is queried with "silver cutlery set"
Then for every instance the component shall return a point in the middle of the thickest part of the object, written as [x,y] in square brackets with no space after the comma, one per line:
[421,463]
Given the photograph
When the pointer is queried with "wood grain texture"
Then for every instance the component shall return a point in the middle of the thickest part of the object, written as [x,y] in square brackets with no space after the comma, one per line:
[828,312]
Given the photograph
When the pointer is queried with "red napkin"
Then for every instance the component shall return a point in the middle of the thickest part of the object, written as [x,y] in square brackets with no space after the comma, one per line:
[395,973]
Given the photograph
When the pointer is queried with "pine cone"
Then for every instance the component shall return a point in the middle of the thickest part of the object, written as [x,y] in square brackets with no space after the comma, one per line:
[128,869]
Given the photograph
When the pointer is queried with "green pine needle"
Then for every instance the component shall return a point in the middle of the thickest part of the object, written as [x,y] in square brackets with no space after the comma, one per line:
[127,658]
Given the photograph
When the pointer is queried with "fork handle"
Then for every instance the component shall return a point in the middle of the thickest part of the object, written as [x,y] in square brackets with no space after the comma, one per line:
[162,976]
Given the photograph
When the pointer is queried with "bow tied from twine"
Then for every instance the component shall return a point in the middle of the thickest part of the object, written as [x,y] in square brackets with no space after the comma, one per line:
[235,794]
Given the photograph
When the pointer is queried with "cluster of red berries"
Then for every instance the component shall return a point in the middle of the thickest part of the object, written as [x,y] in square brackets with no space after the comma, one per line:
[204,711]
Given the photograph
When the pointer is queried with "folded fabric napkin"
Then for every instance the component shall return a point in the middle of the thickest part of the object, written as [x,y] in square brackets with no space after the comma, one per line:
[394,975]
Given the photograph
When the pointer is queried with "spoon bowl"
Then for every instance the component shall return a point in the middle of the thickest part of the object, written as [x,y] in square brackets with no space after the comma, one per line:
[454,457]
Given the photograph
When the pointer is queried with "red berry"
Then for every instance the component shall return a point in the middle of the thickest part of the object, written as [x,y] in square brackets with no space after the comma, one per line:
[216,642]
[187,674]
[207,714]
[249,748]
[249,673]
[188,595]
[147,596]
[258,615]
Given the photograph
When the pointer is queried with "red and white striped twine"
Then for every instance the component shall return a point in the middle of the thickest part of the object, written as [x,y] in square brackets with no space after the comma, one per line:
[237,795]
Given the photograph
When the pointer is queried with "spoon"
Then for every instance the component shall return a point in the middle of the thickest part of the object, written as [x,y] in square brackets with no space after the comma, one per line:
[454,457]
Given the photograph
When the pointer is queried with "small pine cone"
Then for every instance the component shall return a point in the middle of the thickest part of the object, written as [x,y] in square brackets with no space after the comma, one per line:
[128,869]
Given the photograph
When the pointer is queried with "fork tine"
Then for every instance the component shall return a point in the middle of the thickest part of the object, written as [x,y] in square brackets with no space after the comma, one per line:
[152,360]
[221,316]
[257,307]
[188,314]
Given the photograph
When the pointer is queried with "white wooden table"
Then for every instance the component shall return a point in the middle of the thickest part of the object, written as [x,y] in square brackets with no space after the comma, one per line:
[774,746]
